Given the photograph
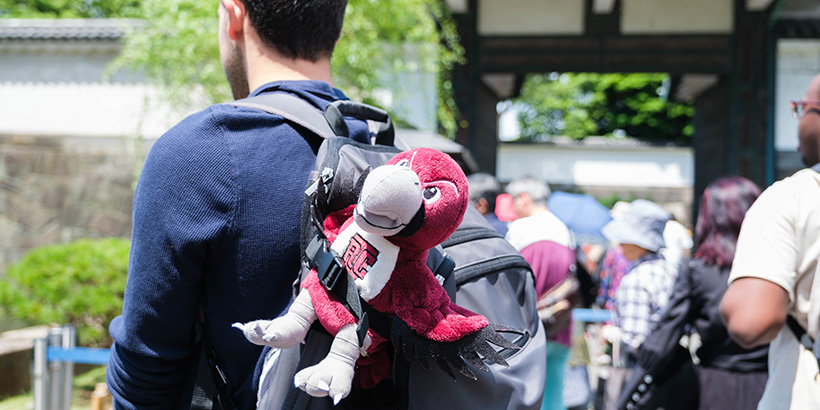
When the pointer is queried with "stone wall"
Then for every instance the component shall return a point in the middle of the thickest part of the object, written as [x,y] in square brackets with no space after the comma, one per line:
[56,189]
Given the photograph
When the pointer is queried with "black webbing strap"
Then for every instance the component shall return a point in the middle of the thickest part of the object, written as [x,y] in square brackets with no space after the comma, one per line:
[803,337]
[212,389]
[204,388]
[800,333]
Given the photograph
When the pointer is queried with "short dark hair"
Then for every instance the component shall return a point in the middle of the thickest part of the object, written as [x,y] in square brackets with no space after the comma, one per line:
[304,29]
[722,209]
[483,186]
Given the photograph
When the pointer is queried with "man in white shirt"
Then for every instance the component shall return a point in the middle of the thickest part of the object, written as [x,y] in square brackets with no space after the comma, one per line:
[775,272]
[547,245]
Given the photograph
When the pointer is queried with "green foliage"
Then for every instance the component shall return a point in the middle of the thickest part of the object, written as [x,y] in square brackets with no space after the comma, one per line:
[610,200]
[68,8]
[582,104]
[80,283]
[408,36]
[178,49]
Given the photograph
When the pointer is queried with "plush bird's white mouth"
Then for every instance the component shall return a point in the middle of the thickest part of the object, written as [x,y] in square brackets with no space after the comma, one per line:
[391,196]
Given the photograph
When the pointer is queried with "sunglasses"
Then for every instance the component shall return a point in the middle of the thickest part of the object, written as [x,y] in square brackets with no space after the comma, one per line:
[799,108]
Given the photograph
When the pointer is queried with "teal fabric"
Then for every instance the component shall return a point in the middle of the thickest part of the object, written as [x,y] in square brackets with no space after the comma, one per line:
[557,355]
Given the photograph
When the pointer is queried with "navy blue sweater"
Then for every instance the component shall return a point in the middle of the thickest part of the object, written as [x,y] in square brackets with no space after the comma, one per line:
[216,224]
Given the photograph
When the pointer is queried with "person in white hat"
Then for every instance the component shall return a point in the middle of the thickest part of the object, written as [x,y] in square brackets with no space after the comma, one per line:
[644,291]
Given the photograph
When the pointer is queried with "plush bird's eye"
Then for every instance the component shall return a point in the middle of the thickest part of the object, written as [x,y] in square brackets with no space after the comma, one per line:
[404,163]
[431,194]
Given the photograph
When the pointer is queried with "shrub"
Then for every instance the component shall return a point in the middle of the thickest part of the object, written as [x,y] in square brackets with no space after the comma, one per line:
[81,283]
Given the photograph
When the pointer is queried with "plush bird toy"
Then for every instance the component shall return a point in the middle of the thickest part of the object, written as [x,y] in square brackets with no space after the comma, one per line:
[405,208]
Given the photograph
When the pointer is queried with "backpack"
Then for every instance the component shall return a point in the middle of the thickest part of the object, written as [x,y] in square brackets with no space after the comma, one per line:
[477,267]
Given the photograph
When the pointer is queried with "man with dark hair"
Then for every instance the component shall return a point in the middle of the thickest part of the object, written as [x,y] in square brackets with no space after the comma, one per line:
[217,210]
[775,274]
[484,190]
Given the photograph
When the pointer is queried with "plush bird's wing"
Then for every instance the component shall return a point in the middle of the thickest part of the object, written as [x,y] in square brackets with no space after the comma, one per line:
[453,354]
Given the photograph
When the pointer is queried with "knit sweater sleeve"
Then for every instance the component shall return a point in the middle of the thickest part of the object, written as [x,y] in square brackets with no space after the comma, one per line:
[184,202]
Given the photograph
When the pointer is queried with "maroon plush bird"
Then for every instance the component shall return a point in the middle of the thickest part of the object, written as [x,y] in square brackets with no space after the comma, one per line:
[405,208]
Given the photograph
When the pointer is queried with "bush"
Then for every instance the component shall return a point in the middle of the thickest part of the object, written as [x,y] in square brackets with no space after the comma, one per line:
[81,283]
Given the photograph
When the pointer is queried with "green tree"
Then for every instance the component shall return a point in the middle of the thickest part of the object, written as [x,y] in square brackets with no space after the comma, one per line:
[582,104]
[68,8]
[81,283]
[178,49]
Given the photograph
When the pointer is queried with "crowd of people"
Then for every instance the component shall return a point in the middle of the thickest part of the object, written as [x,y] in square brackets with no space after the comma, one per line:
[659,285]
[733,304]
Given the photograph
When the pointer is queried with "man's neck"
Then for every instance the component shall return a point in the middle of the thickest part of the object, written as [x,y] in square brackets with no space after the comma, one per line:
[265,67]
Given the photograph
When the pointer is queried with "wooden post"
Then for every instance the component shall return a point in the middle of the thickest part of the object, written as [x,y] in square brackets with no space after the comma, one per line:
[101,398]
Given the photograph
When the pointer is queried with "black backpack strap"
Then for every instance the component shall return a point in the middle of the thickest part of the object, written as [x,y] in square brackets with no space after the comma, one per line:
[212,389]
[800,333]
[291,108]
[204,388]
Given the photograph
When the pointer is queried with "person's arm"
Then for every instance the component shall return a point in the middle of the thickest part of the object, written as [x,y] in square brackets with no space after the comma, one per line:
[764,270]
[183,205]
[754,310]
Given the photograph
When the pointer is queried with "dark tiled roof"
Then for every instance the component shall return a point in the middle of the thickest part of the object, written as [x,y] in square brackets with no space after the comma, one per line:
[64,29]
[599,143]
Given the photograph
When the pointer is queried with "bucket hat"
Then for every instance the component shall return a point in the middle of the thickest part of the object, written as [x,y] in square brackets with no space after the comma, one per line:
[642,225]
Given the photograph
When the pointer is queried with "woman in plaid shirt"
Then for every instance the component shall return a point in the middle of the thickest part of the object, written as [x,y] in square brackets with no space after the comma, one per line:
[645,290]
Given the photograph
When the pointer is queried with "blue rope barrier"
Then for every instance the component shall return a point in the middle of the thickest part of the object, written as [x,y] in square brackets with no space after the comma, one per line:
[90,355]
[84,355]
[591,315]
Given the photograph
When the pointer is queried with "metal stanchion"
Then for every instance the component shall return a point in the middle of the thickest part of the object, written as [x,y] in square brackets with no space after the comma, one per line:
[69,341]
[40,374]
[55,372]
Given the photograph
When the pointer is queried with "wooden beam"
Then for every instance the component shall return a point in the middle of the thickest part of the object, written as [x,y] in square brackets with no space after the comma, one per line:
[672,54]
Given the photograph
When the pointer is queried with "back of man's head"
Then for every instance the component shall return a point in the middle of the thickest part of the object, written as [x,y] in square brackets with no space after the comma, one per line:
[537,189]
[298,29]
[483,186]
[808,127]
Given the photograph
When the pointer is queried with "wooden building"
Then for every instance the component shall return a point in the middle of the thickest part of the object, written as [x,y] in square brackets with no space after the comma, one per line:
[721,55]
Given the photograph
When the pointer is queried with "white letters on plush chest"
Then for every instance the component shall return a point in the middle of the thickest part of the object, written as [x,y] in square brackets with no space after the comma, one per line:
[369,259]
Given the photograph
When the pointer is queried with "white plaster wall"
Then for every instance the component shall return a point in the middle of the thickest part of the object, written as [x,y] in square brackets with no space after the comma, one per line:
[676,16]
[84,109]
[798,61]
[653,167]
[62,88]
[530,17]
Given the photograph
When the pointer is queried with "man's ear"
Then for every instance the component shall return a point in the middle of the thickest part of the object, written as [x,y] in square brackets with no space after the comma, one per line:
[235,14]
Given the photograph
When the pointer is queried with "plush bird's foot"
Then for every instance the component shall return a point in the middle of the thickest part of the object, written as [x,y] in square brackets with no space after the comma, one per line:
[333,376]
[282,332]
[330,377]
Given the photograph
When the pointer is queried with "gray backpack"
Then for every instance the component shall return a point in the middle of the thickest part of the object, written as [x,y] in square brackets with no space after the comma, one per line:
[480,270]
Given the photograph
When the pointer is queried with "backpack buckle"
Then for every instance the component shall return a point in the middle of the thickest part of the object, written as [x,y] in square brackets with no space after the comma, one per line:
[329,267]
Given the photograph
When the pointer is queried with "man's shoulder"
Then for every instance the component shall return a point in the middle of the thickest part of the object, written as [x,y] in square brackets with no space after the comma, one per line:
[219,122]
[796,183]
[785,197]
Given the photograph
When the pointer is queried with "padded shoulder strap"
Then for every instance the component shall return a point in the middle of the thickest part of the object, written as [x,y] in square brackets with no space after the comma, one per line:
[291,108]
